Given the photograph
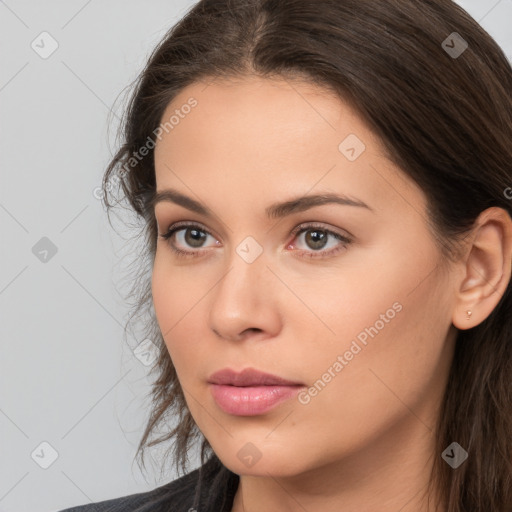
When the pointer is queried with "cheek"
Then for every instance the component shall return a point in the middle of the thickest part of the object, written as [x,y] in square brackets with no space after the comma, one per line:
[163,289]
[394,364]
[390,319]
[177,301]
[174,292]
[169,299]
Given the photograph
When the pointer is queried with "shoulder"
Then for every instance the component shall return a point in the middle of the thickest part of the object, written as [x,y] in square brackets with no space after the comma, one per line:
[176,496]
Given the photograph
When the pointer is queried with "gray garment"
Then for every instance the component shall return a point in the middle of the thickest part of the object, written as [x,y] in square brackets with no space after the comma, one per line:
[210,488]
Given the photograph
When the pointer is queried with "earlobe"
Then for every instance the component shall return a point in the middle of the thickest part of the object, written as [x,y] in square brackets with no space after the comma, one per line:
[487,268]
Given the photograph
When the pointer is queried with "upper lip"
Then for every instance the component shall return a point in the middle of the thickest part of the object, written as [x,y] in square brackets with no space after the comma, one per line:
[248,377]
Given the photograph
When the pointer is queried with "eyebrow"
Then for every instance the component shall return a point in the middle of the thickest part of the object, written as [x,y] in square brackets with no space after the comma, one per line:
[274,211]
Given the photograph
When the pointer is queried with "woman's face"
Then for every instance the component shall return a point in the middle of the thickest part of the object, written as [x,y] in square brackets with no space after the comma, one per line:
[350,300]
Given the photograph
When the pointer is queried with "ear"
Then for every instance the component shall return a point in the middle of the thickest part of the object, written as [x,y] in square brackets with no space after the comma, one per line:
[486,268]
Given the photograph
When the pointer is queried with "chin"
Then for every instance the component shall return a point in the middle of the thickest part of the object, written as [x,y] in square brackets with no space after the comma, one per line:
[278,464]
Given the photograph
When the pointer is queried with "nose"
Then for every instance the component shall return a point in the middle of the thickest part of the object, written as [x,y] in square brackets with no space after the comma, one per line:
[245,302]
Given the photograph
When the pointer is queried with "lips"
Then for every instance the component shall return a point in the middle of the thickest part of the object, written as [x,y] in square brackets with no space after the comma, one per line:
[250,392]
[249,377]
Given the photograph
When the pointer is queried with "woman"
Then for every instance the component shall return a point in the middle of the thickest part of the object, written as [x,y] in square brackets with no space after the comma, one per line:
[326,192]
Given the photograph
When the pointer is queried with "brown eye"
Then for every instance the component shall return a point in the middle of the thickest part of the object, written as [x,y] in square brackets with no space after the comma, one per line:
[194,237]
[317,238]
[186,235]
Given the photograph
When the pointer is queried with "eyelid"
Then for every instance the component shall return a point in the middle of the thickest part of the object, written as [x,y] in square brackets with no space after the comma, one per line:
[297,229]
[305,226]
[321,226]
[189,223]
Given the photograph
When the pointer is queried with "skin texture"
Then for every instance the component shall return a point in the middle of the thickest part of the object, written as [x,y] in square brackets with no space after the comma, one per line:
[365,440]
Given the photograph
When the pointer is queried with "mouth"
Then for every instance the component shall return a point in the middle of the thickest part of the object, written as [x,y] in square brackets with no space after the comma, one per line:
[250,392]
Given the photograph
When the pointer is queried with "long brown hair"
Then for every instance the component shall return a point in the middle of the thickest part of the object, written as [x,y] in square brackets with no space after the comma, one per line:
[446,120]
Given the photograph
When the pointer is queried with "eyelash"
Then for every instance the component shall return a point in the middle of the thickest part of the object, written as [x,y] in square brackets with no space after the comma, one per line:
[295,232]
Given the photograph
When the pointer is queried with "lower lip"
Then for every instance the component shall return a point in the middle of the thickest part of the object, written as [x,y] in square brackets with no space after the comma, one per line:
[251,400]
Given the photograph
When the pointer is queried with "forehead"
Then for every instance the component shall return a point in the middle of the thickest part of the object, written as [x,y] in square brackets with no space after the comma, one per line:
[256,134]
[271,120]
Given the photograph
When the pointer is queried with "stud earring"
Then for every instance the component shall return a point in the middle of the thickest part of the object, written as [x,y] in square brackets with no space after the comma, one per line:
[469,313]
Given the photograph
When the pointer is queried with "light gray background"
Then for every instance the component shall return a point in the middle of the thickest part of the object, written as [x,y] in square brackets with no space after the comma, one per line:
[67,375]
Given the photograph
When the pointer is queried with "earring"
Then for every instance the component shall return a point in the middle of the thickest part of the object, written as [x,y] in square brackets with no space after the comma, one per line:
[469,313]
